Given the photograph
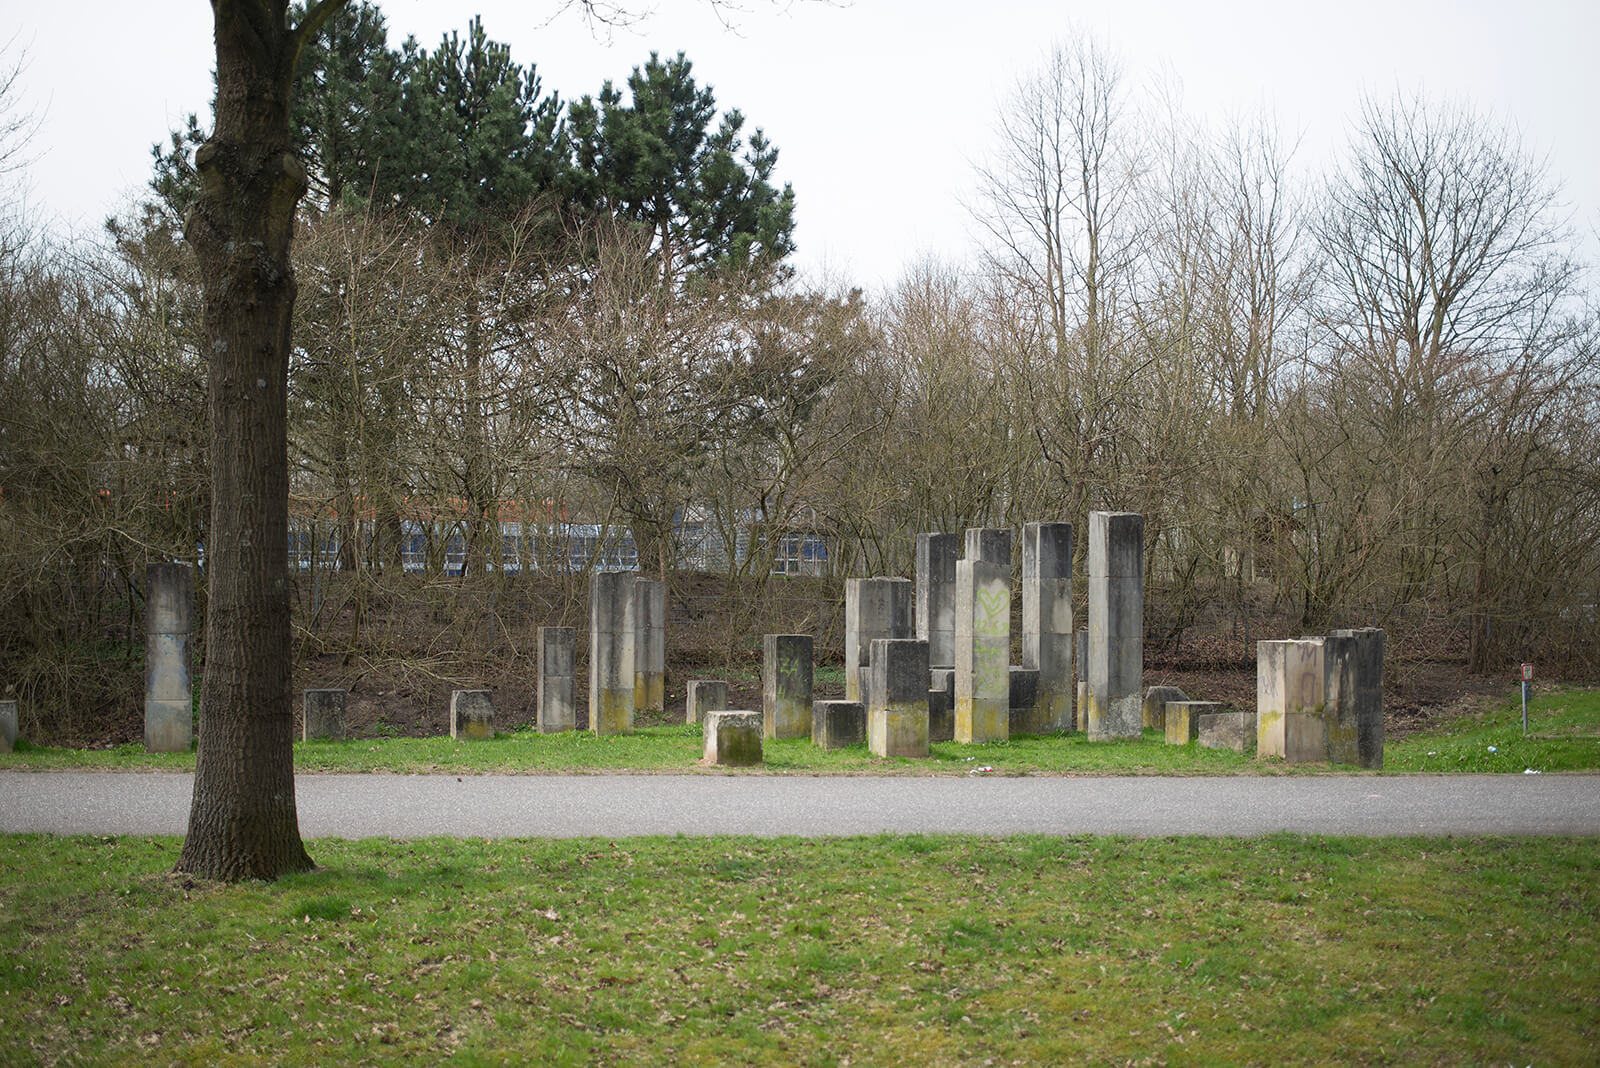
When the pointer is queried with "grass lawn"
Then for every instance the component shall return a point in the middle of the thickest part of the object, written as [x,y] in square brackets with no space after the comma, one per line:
[1564,736]
[866,951]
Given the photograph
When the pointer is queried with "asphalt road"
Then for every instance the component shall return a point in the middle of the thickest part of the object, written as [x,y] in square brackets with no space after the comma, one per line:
[620,806]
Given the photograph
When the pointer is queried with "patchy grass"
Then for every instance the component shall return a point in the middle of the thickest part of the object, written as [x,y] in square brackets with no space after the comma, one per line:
[1563,735]
[919,949]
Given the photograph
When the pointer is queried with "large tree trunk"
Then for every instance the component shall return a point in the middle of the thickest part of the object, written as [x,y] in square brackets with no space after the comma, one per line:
[243,823]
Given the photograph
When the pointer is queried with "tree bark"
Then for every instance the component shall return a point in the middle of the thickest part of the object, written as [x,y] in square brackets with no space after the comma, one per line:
[243,823]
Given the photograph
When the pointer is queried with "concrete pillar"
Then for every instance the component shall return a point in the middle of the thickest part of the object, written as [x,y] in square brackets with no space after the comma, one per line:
[836,724]
[1289,700]
[8,726]
[649,646]
[897,724]
[733,738]
[786,685]
[873,608]
[992,545]
[705,695]
[1116,625]
[983,651]
[1023,703]
[557,709]
[611,650]
[942,705]
[1080,649]
[1047,625]
[168,687]
[471,715]
[936,596]
[1181,719]
[323,715]
[1153,711]
[1353,692]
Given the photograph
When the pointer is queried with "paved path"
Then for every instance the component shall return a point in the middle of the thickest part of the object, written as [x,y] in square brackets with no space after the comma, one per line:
[615,806]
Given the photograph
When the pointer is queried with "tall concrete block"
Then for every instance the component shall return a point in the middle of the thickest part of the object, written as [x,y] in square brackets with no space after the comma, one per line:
[897,725]
[936,595]
[1290,709]
[322,715]
[873,608]
[942,705]
[786,685]
[733,738]
[471,715]
[1116,625]
[1048,641]
[983,651]
[836,724]
[168,697]
[558,688]
[1353,693]
[612,633]
[992,545]
[1080,648]
[705,695]
[8,726]
[649,646]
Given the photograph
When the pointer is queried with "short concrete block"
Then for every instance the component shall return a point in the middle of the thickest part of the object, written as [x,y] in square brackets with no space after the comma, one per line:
[1227,730]
[733,738]
[471,715]
[558,666]
[836,724]
[705,695]
[1155,703]
[1290,719]
[8,726]
[786,685]
[323,715]
[897,723]
[1182,719]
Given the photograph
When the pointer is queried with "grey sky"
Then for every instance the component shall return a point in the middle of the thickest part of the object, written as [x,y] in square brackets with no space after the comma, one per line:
[879,107]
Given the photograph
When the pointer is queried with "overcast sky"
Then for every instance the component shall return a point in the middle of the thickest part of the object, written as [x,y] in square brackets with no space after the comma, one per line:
[879,107]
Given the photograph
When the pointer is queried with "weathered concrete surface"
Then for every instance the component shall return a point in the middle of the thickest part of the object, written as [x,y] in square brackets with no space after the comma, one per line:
[991,545]
[612,637]
[1290,721]
[733,738]
[1228,730]
[873,608]
[8,726]
[557,697]
[1048,640]
[649,646]
[942,705]
[836,724]
[1353,694]
[1116,625]
[471,715]
[322,715]
[705,695]
[1025,716]
[983,650]
[897,725]
[936,595]
[786,685]
[168,685]
[621,806]
[1153,712]
[1182,719]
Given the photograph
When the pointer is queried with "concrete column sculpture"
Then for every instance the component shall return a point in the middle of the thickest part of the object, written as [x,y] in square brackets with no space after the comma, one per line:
[1116,625]
[983,651]
[992,545]
[471,715]
[704,695]
[168,697]
[1290,704]
[611,651]
[649,646]
[786,685]
[1047,626]
[558,668]
[897,722]
[873,608]
[8,726]
[1080,649]
[1353,694]
[323,715]
[936,596]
